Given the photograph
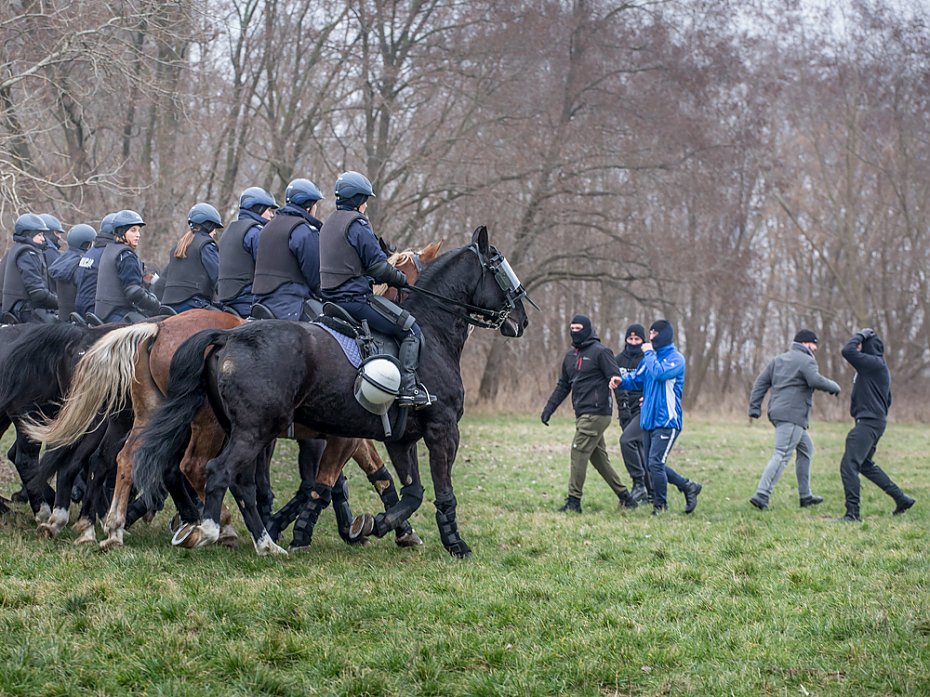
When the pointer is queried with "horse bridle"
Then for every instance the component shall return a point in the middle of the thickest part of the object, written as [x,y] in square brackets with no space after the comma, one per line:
[484,317]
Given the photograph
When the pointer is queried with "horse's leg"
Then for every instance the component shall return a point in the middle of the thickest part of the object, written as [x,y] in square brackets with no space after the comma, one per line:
[369,460]
[442,439]
[95,498]
[265,494]
[310,451]
[404,457]
[67,462]
[115,524]
[335,455]
[26,458]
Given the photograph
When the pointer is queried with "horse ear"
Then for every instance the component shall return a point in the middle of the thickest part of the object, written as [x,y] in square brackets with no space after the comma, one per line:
[430,251]
[480,238]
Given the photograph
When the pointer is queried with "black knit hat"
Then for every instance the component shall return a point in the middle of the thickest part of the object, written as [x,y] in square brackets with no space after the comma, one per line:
[635,329]
[805,336]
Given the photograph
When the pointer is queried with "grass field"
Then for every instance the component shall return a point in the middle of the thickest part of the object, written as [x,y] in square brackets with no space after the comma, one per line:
[729,601]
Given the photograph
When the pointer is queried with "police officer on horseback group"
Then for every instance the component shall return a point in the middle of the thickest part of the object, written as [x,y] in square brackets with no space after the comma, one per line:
[26,293]
[64,269]
[120,295]
[239,249]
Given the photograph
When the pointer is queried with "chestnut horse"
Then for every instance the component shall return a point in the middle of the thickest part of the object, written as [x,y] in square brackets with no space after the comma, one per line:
[115,367]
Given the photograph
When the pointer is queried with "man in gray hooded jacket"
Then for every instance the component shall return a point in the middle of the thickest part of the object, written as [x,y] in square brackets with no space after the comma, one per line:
[792,377]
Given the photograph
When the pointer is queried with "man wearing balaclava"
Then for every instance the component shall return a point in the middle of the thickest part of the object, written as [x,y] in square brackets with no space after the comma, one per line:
[792,377]
[661,377]
[871,399]
[628,401]
[586,370]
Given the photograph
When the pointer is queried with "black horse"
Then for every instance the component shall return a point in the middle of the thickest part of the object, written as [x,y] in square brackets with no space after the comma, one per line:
[263,377]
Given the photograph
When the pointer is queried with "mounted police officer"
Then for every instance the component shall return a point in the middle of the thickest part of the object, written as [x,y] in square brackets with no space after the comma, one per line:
[89,267]
[194,263]
[26,295]
[52,242]
[120,295]
[351,261]
[64,269]
[287,268]
[239,250]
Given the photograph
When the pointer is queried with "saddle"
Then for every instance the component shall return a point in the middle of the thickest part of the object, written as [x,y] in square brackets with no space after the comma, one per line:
[370,343]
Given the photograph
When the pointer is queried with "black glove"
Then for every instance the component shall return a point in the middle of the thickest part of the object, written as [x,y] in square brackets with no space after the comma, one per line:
[44,298]
[545,416]
[143,299]
[866,333]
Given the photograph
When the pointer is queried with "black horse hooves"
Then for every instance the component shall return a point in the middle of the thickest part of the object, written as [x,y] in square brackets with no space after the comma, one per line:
[299,549]
[409,539]
[362,526]
[459,550]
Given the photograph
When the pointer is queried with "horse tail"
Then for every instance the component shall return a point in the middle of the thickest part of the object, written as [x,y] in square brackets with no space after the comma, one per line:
[31,365]
[167,432]
[101,385]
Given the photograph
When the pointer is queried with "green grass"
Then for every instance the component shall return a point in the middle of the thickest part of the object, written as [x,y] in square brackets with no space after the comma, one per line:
[729,601]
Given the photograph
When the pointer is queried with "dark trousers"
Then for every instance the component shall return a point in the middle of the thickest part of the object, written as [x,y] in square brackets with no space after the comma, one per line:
[857,459]
[634,456]
[657,445]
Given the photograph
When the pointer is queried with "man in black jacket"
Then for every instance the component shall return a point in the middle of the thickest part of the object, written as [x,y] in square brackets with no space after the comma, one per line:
[586,371]
[628,405]
[871,399]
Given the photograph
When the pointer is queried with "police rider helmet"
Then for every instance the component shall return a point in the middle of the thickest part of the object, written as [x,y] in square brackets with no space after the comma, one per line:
[53,223]
[351,184]
[28,224]
[106,225]
[303,193]
[205,216]
[81,235]
[124,220]
[256,196]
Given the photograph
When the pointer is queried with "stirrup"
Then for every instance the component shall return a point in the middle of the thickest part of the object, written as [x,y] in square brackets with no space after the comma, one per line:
[420,399]
[75,318]
[92,319]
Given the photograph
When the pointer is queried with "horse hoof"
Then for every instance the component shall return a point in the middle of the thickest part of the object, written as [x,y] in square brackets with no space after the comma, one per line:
[49,532]
[110,544]
[184,536]
[409,539]
[149,516]
[228,537]
[87,536]
[81,525]
[362,526]
[265,547]
[300,549]
[459,550]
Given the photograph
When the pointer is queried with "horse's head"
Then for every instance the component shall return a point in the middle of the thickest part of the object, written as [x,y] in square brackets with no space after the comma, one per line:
[411,263]
[499,289]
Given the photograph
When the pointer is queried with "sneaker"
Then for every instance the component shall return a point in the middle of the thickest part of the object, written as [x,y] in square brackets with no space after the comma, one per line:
[639,493]
[905,503]
[572,505]
[811,501]
[692,489]
[759,502]
[627,500]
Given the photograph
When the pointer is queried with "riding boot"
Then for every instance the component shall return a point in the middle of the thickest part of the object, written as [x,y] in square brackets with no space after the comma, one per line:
[412,394]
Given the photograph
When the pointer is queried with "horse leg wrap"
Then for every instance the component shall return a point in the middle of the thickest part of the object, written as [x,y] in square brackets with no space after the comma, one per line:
[384,485]
[265,504]
[343,511]
[449,529]
[411,496]
[306,521]
[288,513]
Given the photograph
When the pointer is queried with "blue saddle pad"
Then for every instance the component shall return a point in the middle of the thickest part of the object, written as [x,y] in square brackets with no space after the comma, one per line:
[348,345]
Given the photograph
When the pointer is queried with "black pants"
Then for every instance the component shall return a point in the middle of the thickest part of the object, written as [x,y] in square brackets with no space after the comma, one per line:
[631,448]
[860,449]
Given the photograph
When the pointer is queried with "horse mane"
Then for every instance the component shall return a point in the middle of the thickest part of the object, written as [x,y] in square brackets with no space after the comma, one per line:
[33,359]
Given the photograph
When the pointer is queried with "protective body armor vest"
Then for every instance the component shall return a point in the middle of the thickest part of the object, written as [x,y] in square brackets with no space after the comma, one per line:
[276,265]
[110,294]
[67,294]
[237,267]
[338,259]
[185,278]
[14,289]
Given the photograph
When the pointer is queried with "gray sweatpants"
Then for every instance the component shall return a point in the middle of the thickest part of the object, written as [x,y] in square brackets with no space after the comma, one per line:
[788,439]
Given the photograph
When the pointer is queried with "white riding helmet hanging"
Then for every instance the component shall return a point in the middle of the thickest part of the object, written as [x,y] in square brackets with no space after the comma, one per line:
[378,383]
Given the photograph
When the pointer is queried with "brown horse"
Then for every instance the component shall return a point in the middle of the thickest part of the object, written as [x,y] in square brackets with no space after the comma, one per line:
[115,367]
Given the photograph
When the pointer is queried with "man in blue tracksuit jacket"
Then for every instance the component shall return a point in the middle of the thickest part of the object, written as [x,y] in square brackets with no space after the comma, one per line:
[661,377]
